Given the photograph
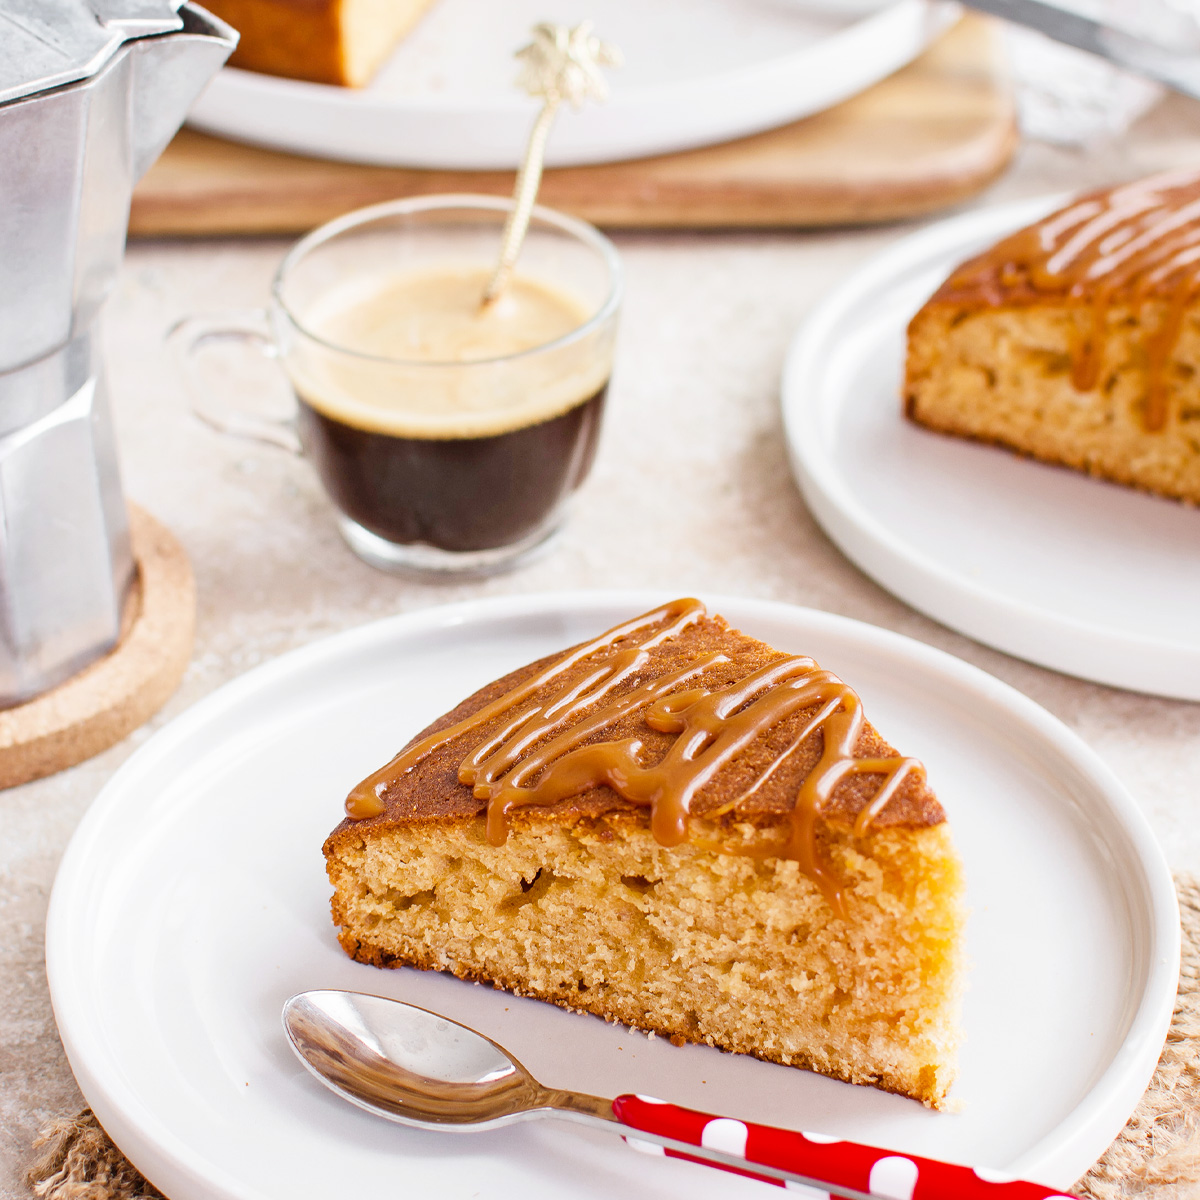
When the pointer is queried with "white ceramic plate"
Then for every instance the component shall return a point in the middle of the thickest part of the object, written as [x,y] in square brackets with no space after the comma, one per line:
[1072,573]
[192,902]
[696,72]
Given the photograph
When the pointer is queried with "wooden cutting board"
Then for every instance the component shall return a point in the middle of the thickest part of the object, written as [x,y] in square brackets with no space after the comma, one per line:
[928,137]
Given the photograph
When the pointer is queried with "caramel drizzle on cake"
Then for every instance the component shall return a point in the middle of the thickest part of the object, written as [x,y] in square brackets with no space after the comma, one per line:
[1124,245]
[551,750]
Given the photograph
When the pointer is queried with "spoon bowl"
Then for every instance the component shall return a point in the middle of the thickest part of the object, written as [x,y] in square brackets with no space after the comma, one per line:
[408,1064]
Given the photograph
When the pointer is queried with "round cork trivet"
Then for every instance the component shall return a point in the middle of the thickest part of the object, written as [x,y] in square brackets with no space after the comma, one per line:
[113,696]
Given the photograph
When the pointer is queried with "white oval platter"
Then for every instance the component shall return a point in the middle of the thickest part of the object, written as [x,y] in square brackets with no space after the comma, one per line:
[696,72]
[192,902]
[1069,572]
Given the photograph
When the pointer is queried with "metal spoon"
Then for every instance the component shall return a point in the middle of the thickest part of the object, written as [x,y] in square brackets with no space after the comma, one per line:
[422,1069]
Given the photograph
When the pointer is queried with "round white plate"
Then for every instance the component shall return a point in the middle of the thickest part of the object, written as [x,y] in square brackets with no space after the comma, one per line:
[192,902]
[1072,573]
[696,72]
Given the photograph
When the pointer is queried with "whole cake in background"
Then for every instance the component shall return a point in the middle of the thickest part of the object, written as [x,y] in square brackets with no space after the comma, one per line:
[325,41]
[680,828]
[1077,340]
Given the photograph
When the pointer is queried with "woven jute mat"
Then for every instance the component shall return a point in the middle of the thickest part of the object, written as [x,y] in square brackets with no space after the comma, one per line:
[1156,1157]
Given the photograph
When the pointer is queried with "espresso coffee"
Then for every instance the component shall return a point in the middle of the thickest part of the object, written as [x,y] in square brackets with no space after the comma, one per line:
[454,493]
[432,419]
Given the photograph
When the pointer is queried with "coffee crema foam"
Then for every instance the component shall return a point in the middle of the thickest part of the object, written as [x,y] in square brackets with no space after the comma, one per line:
[419,357]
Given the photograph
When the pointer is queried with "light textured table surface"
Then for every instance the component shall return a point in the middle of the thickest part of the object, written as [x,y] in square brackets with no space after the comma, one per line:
[691,492]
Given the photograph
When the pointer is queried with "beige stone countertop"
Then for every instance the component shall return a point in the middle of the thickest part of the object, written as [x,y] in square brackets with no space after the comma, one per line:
[691,492]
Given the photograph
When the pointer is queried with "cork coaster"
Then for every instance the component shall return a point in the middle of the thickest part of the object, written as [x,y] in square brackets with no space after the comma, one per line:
[110,698]
[1155,1157]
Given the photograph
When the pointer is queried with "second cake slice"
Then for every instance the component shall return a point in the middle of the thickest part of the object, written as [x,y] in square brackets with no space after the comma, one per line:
[1076,340]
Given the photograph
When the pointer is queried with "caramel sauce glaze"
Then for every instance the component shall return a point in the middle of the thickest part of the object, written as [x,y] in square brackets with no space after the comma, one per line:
[1121,246]
[546,739]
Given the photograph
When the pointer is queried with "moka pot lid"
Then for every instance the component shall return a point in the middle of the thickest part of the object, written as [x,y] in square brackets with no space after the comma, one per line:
[47,44]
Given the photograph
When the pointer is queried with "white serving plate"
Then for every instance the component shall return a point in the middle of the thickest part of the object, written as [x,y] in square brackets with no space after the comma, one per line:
[192,902]
[696,72]
[1072,573]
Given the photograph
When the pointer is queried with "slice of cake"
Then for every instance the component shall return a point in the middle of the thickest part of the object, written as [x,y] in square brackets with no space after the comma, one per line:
[324,41]
[1077,340]
[680,828]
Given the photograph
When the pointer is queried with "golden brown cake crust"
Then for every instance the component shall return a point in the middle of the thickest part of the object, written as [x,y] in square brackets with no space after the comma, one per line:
[300,39]
[340,42]
[431,793]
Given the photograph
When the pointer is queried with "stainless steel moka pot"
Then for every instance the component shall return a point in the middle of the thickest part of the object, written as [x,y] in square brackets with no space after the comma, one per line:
[90,93]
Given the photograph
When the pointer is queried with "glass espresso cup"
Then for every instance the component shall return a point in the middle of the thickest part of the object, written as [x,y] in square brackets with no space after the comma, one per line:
[449,437]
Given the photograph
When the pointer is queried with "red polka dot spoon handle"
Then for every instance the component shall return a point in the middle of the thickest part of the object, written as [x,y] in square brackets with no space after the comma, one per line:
[813,1165]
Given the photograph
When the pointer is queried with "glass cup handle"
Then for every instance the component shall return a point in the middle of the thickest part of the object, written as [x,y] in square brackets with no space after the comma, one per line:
[190,337]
